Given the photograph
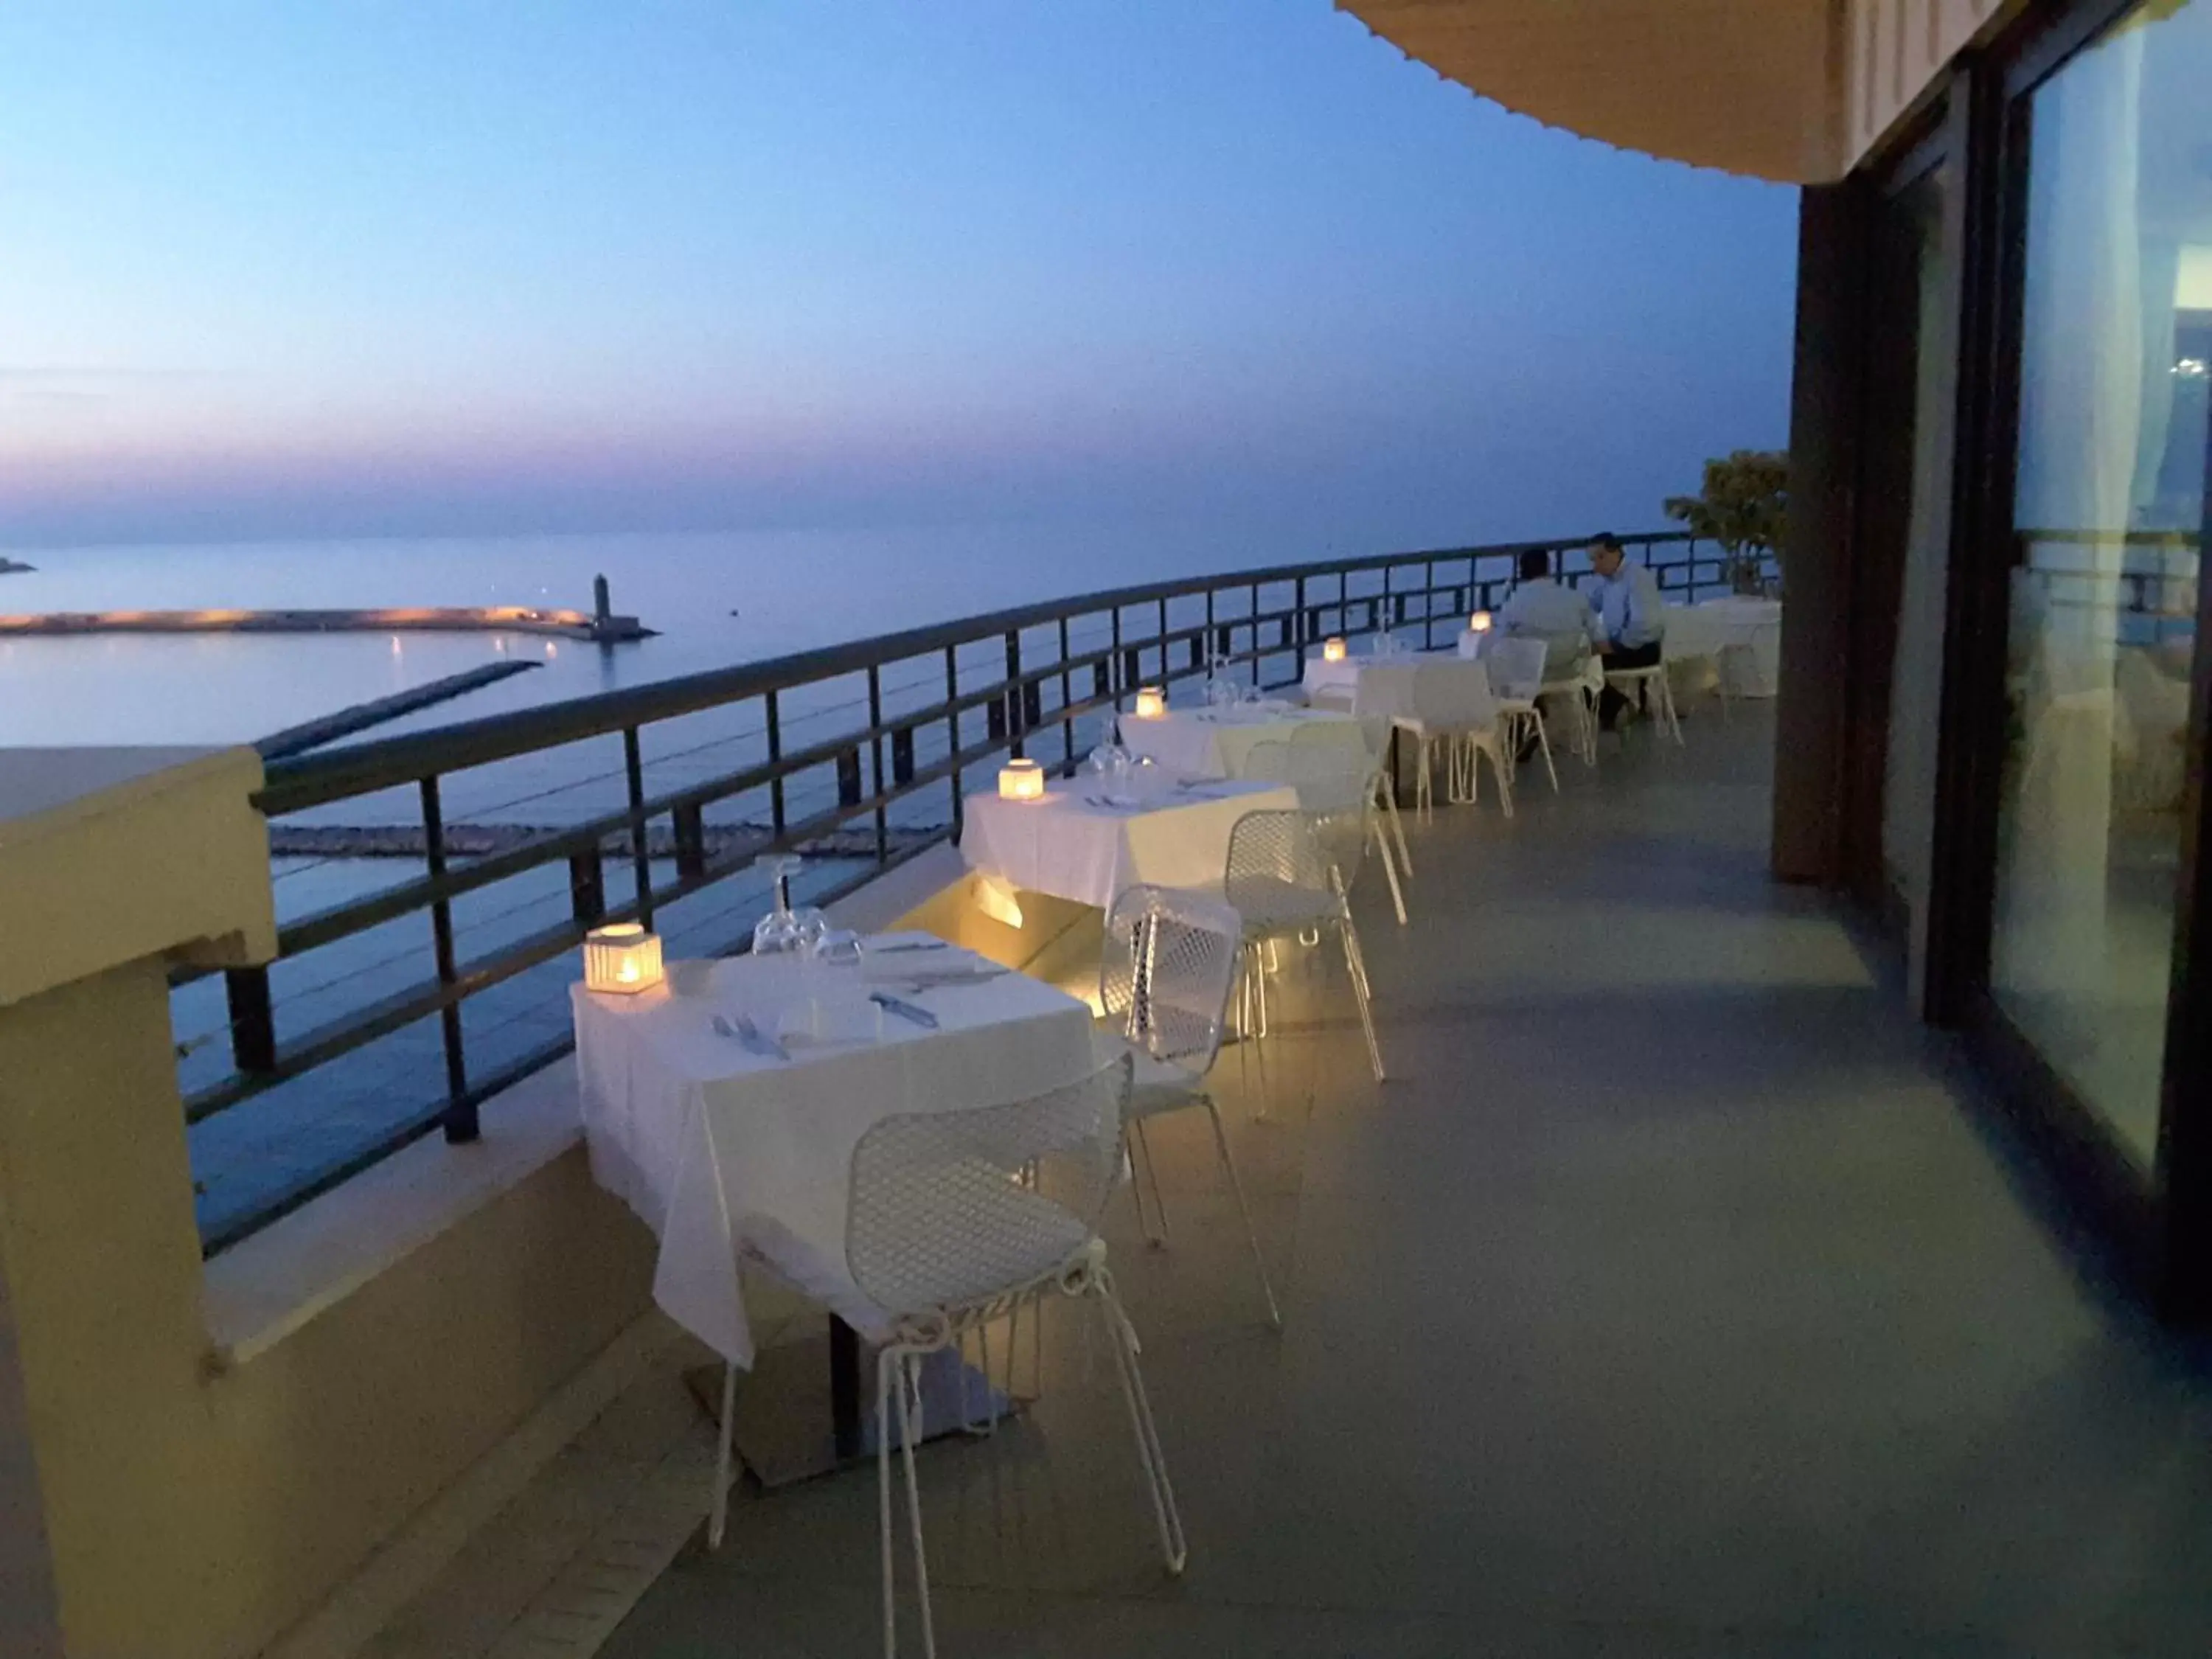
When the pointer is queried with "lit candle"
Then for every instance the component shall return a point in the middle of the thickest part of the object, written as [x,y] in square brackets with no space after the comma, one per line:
[622,957]
[1332,650]
[1021,780]
[1152,703]
[1479,623]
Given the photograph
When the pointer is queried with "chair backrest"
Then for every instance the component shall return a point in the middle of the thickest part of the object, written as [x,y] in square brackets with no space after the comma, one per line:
[1266,762]
[1269,850]
[1385,690]
[1517,667]
[939,1214]
[1165,970]
[1454,695]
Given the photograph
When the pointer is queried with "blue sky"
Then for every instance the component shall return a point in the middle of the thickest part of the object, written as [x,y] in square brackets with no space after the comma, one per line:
[288,269]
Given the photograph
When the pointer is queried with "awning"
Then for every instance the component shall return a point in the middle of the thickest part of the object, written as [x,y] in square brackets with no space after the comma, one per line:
[1743,86]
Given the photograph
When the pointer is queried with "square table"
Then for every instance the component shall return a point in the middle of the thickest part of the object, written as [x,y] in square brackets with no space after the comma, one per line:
[1074,844]
[724,1153]
[1212,743]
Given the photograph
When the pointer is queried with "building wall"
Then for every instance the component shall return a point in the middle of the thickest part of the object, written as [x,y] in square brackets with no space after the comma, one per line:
[193,1510]
[1890,52]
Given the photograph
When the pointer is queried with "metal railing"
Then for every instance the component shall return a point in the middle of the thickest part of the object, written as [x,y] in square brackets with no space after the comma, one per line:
[408,990]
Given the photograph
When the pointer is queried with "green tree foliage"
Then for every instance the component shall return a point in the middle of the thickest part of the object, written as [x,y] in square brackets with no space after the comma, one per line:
[1745,506]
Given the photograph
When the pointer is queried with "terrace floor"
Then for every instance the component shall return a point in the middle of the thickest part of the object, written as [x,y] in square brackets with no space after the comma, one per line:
[1664,1302]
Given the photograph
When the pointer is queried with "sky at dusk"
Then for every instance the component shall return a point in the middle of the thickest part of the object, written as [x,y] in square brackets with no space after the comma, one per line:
[290,271]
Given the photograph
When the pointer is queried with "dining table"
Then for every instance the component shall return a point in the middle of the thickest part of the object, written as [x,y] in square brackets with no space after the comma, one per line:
[1214,742]
[1087,838]
[726,1119]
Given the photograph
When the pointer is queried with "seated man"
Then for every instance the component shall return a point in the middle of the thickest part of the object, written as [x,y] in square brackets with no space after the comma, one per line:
[1628,620]
[1540,609]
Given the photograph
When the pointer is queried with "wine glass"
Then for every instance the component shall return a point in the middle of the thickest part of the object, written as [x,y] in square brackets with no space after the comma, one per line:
[778,933]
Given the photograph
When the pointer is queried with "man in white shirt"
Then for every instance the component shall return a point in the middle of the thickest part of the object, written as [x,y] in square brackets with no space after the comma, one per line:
[1628,619]
[1540,609]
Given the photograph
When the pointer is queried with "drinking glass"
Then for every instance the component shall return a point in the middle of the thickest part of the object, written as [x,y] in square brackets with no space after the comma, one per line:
[779,933]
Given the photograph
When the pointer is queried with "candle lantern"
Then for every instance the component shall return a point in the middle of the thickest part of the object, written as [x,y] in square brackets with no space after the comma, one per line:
[1152,703]
[1021,780]
[1479,623]
[622,957]
[1332,650]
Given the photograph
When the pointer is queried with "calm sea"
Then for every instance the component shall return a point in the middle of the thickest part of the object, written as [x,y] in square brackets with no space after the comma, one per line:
[718,599]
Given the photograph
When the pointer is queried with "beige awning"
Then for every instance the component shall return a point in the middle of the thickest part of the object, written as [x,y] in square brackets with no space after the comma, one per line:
[1744,86]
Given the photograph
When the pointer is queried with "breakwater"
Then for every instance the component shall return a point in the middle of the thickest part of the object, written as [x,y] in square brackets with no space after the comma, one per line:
[601,627]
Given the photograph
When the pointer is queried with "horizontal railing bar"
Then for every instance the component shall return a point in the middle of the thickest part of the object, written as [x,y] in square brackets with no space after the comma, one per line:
[333,775]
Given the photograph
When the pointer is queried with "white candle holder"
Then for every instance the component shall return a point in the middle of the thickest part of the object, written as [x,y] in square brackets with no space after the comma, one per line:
[1021,780]
[1332,649]
[622,957]
[1152,703]
[1479,623]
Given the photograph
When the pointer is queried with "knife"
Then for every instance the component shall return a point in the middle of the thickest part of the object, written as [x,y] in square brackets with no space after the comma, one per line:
[750,1034]
[892,1005]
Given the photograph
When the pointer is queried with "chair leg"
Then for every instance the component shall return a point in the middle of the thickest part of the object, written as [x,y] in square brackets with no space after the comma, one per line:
[1251,1233]
[1122,1336]
[1423,798]
[910,1427]
[886,1367]
[1159,1241]
[1397,824]
[1544,739]
[718,1514]
[1390,873]
[1356,961]
[1666,705]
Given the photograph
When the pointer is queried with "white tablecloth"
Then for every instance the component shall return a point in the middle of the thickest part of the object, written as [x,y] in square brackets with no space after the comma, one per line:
[721,1151]
[1070,847]
[1471,643]
[1750,635]
[1212,743]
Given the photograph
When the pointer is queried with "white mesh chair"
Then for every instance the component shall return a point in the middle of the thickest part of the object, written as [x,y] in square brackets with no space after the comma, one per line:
[1652,683]
[956,1218]
[1283,882]
[1335,777]
[1452,708]
[1375,731]
[1164,974]
[1516,677]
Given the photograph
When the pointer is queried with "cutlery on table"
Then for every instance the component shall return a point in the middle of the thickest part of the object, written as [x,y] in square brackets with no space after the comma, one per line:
[918,945]
[752,1035]
[906,1011]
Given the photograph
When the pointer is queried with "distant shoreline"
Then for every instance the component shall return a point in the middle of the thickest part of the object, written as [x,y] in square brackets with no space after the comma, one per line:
[13,567]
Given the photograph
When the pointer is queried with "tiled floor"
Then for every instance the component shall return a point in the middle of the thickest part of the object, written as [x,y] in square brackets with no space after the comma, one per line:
[1663,1302]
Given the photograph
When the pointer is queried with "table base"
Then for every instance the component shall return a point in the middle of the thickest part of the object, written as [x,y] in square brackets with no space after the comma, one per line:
[787,1430]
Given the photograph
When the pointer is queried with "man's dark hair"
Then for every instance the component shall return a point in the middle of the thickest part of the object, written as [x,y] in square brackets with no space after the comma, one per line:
[1606,539]
[1535,562]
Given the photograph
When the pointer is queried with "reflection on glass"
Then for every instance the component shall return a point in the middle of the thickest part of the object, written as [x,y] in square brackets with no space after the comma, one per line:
[2116,332]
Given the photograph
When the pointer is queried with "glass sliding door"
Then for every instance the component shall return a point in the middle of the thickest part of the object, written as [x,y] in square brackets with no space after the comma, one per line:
[2109,510]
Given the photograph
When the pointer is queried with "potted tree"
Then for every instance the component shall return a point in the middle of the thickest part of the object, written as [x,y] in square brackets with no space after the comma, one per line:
[1744,506]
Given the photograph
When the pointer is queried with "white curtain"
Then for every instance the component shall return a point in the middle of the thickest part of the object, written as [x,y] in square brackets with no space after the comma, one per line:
[2083,390]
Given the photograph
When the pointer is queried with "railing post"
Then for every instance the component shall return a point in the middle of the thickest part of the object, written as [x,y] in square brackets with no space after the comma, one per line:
[952,729]
[1255,633]
[876,759]
[1066,699]
[691,824]
[588,888]
[772,716]
[1167,668]
[641,854]
[461,1126]
[1429,606]
[252,1019]
[1013,696]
